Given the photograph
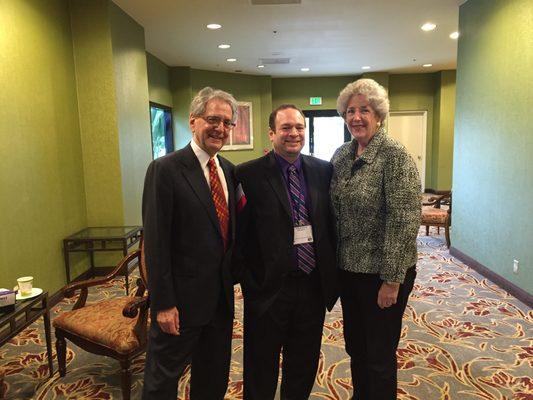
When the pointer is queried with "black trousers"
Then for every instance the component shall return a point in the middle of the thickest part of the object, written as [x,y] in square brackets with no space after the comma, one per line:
[206,348]
[372,334]
[292,325]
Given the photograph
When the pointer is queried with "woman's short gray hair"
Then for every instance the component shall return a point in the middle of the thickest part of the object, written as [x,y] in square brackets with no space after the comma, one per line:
[373,91]
[207,94]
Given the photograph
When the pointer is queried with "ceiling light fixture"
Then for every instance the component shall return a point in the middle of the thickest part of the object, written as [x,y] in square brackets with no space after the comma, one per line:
[454,35]
[304,69]
[214,26]
[365,67]
[231,59]
[428,26]
[224,46]
[427,65]
[260,66]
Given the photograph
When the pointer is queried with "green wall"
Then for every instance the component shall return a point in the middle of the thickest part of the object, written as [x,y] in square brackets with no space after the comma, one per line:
[95,77]
[416,92]
[186,82]
[492,170]
[180,86]
[41,178]
[133,115]
[158,81]
[442,150]
[298,90]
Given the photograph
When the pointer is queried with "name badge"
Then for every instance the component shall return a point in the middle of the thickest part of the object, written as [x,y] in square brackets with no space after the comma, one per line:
[303,234]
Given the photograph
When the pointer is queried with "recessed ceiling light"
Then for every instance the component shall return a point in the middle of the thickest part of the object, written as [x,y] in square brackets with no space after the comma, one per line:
[454,35]
[214,26]
[304,69]
[365,67]
[224,46]
[428,26]
[427,65]
[231,59]
[260,66]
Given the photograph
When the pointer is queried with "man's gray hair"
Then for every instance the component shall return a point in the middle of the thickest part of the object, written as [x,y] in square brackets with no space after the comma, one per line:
[373,91]
[200,101]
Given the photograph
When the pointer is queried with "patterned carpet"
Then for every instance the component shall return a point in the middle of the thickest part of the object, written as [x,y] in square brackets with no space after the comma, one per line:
[463,338]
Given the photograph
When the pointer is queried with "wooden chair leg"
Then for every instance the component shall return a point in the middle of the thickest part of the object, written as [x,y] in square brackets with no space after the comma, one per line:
[125,379]
[427,230]
[447,235]
[61,350]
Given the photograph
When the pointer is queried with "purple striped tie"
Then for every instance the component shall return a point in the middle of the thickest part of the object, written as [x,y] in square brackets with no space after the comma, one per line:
[305,253]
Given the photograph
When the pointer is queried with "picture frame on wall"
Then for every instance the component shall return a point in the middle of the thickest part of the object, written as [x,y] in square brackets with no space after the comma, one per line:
[241,137]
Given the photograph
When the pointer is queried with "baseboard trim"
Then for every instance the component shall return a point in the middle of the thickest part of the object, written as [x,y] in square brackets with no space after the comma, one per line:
[510,287]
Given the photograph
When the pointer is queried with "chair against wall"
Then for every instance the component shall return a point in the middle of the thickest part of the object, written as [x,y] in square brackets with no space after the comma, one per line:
[434,215]
[114,327]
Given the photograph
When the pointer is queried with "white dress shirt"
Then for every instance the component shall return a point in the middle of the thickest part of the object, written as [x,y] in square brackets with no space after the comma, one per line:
[203,158]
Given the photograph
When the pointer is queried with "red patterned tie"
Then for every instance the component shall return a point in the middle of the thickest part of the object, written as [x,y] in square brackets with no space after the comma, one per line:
[221,206]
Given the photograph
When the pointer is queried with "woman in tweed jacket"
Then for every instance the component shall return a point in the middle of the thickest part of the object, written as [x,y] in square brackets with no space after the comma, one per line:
[375,192]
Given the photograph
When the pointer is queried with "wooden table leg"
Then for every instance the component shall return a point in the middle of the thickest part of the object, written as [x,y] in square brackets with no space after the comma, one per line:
[48,336]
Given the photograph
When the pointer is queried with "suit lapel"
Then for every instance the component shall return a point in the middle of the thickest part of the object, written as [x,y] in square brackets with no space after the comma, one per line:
[312,186]
[196,178]
[275,179]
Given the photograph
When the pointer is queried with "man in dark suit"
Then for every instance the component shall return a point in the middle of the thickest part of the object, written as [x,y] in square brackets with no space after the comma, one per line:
[189,221]
[286,244]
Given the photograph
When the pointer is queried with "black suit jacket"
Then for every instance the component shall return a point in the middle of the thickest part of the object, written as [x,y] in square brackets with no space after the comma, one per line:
[266,232]
[187,265]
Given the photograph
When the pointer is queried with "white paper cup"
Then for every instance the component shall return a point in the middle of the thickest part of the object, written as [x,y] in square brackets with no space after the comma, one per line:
[25,285]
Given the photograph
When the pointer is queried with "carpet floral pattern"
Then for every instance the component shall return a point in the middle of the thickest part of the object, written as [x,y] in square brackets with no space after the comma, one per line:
[463,338]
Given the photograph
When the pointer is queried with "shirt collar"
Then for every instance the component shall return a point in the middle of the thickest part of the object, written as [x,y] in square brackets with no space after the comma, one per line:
[202,156]
[284,164]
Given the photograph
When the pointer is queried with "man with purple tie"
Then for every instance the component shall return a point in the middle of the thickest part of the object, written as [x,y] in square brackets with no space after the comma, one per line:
[286,245]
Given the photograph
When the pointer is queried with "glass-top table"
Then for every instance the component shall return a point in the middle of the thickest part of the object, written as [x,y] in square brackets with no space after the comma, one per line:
[101,238]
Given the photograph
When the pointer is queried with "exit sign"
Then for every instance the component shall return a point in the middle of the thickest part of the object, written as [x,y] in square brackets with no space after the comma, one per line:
[315,101]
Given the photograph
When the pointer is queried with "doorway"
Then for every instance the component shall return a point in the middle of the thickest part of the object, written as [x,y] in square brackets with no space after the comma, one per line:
[409,128]
[325,131]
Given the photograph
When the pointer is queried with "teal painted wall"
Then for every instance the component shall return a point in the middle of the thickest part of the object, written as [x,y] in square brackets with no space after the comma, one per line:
[133,116]
[493,167]
[158,81]
[41,176]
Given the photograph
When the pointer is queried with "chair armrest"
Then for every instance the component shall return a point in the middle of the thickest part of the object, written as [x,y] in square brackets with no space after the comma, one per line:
[132,308]
[138,305]
[70,290]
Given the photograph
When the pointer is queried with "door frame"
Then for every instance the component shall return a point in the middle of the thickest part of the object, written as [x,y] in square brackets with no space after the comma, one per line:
[321,113]
[424,114]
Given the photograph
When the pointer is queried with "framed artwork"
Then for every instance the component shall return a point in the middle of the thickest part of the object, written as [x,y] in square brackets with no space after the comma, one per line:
[241,137]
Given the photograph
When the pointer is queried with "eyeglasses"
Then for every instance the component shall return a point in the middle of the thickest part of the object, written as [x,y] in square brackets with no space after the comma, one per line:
[215,121]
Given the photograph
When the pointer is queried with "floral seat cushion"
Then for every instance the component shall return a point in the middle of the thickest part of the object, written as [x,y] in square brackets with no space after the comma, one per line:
[431,215]
[102,323]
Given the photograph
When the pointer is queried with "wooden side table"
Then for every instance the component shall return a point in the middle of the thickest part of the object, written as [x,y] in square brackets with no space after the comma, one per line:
[25,313]
[97,239]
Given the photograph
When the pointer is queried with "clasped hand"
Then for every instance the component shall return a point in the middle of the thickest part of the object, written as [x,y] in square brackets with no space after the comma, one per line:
[388,294]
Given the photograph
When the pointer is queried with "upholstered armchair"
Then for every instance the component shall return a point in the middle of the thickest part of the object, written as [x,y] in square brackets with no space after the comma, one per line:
[114,327]
[434,215]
